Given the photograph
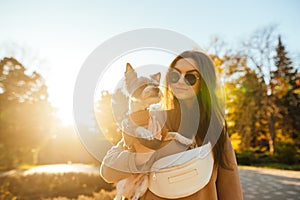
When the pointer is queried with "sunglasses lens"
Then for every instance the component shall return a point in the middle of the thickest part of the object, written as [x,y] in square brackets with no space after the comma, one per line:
[190,79]
[174,77]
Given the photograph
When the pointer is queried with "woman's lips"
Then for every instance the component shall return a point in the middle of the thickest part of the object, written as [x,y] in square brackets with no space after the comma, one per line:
[180,89]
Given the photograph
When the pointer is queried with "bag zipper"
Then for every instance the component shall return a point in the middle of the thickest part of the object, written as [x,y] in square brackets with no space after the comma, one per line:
[154,176]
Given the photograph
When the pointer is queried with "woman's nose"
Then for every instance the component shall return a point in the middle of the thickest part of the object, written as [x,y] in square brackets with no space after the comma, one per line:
[181,79]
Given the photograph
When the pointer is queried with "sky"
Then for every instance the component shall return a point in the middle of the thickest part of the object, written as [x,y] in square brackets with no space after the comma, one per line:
[55,37]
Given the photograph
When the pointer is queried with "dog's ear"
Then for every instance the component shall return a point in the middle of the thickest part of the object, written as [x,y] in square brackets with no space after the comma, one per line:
[130,77]
[129,68]
[156,76]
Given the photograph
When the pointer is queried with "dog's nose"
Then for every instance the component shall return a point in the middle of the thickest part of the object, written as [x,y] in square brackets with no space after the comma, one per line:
[156,90]
[151,92]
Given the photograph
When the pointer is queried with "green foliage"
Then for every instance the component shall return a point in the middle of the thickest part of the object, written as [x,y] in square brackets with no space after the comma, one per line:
[286,152]
[245,158]
[254,158]
[285,87]
[263,97]
[286,157]
[295,167]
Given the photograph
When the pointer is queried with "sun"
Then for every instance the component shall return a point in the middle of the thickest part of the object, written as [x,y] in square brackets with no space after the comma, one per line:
[65,116]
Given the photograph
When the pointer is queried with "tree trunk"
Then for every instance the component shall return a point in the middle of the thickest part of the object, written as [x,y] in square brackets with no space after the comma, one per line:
[272,135]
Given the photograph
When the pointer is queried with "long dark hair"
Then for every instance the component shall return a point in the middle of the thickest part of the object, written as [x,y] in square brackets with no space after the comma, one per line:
[209,105]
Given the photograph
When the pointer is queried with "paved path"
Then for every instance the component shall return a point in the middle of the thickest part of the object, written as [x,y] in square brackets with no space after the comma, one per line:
[260,183]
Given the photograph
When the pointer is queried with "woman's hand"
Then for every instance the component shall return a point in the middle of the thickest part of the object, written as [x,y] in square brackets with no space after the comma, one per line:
[144,133]
[153,130]
[180,138]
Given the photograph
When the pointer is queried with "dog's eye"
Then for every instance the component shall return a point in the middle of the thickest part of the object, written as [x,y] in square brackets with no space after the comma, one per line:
[138,91]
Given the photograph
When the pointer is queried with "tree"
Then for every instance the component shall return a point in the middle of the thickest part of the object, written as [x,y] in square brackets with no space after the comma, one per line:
[242,89]
[26,116]
[285,89]
[260,51]
[110,111]
[244,93]
[262,91]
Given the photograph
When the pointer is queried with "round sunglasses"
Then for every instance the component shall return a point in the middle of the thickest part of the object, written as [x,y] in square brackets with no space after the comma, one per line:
[189,78]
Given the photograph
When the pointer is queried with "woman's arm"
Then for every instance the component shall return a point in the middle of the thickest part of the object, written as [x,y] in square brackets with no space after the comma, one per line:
[120,163]
[228,180]
[116,163]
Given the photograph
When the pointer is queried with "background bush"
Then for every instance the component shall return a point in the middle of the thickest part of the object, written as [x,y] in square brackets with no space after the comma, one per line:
[286,153]
[41,185]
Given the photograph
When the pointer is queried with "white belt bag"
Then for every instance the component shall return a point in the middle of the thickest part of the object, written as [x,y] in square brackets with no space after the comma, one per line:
[182,174]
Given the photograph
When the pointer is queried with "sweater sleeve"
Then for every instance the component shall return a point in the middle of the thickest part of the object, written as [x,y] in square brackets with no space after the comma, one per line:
[120,163]
[228,180]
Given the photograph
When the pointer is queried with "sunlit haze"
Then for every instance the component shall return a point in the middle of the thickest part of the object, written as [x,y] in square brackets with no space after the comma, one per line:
[62,34]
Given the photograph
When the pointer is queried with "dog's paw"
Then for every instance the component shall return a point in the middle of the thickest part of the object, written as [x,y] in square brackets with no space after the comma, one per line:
[170,136]
[184,140]
[141,187]
[180,138]
[143,133]
[120,189]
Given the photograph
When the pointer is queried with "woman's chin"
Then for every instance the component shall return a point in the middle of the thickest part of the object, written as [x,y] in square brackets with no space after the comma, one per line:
[184,95]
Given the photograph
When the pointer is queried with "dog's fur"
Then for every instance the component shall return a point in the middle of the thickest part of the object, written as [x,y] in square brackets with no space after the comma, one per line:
[133,187]
[143,91]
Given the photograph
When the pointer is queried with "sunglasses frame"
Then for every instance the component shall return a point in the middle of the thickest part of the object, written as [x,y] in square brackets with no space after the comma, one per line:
[175,70]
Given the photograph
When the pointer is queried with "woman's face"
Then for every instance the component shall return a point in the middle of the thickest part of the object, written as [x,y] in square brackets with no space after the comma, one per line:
[188,83]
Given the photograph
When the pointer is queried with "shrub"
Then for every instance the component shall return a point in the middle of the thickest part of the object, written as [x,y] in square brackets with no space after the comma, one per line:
[101,195]
[286,153]
[245,158]
[254,158]
[37,186]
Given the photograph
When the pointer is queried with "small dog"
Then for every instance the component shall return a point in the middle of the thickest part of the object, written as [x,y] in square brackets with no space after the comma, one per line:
[143,92]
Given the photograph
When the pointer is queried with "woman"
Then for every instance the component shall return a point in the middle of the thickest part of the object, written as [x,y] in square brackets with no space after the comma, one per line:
[191,94]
